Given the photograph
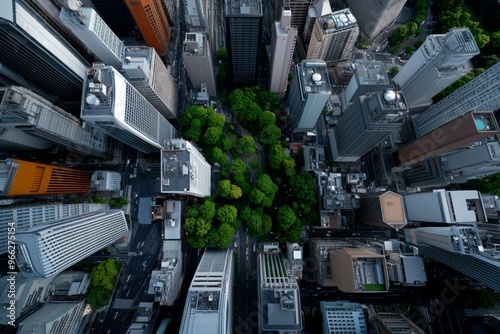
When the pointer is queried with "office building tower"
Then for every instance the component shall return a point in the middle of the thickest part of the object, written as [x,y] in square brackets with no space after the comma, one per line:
[184,170]
[60,316]
[382,209]
[454,135]
[395,323]
[374,16]
[333,37]
[462,248]
[198,60]
[319,9]
[448,207]
[299,9]
[116,15]
[343,317]
[439,62]
[47,250]
[367,121]
[94,33]
[27,217]
[195,15]
[112,104]
[145,70]
[358,270]
[23,110]
[244,30]
[105,181]
[151,18]
[209,302]
[283,41]
[25,178]
[34,50]
[278,292]
[406,269]
[310,90]
[369,76]
[165,283]
[480,94]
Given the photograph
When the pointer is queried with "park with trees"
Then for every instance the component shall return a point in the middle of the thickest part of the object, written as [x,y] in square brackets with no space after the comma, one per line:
[102,282]
[260,185]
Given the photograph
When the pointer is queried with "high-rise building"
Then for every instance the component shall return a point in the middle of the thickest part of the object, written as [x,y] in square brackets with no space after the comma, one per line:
[395,323]
[365,123]
[197,57]
[112,104]
[299,9]
[343,317]
[278,292]
[333,37]
[151,18]
[369,76]
[22,110]
[439,62]
[105,181]
[195,15]
[449,207]
[25,178]
[310,90]
[94,33]
[481,94]
[283,41]
[65,316]
[116,15]
[244,30]
[374,16]
[145,70]
[384,210]
[456,134]
[27,217]
[31,48]
[319,9]
[209,302]
[184,170]
[47,250]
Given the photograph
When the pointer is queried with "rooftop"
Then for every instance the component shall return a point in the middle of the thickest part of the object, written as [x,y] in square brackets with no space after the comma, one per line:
[314,77]
[337,21]
[371,73]
[242,8]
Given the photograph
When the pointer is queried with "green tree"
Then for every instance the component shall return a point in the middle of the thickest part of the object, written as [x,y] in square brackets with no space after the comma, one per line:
[207,210]
[192,211]
[212,135]
[267,224]
[409,49]
[222,236]
[276,156]
[194,132]
[226,144]
[251,113]
[218,156]
[98,297]
[221,53]
[196,241]
[224,188]
[398,35]
[227,214]
[118,203]
[293,233]
[235,192]
[285,217]
[237,167]
[256,196]
[289,166]
[393,71]
[270,134]
[266,118]
[216,120]
[245,214]
[104,274]
[303,194]
[255,224]
[266,185]
[245,145]
[197,226]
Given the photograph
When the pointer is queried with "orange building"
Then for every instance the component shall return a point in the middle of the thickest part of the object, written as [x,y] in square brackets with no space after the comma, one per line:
[152,21]
[24,178]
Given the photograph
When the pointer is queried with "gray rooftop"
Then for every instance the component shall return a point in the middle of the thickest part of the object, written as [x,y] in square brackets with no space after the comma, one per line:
[371,73]
[314,77]
[337,21]
[242,8]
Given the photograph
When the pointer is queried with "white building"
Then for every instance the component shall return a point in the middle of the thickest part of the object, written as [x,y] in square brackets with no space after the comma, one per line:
[343,317]
[197,57]
[105,181]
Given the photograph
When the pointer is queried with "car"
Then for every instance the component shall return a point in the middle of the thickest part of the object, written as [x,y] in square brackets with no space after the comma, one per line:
[115,315]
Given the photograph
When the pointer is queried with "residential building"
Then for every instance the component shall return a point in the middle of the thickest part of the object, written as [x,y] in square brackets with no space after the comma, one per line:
[112,104]
[395,323]
[34,55]
[369,76]
[63,317]
[436,64]
[105,181]
[184,170]
[375,16]
[319,9]
[199,63]
[21,110]
[310,90]
[94,33]
[367,121]
[449,207]
[26,217]
[209,302]
[343,317]
[244,30]
[278,292]
[283,41]
[481,93]
[26,178]
[333,37]
[47,250]
[383,209]
[456,134]
[145,70]
[151,19]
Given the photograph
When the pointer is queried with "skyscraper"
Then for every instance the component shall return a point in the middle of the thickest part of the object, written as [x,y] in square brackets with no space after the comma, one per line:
[479,94]
[197,57]
[23,110]
[33,49]
[343,317]
[283,41]
[438,63]
[383,209]
[25,178]
[319,9]
[333,37]
[47,250]
[95,34]
[310,90]
[195,15]
[151,18]
[365,123]
[244,29]
[111,103]
[369,76]
[374,16]
[209,303]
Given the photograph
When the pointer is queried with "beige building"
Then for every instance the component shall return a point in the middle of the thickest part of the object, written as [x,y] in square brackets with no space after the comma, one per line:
[358,270]
[383,209]
[197,58]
